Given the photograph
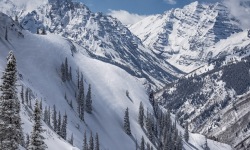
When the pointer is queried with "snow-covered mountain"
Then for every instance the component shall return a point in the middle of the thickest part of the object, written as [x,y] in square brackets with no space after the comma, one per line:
[39,58]
[104,37]
[185,37]
[214,97]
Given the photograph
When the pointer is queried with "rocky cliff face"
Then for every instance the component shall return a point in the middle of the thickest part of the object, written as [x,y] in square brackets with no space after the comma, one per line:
[183,36]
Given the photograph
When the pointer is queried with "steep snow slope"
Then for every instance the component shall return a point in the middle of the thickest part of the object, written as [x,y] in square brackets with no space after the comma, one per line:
[38,60]
[183,36]
[104,37]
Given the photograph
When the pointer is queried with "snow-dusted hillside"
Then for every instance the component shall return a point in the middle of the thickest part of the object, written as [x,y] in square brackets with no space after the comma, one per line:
[184,36]
[104,37]
[39,58]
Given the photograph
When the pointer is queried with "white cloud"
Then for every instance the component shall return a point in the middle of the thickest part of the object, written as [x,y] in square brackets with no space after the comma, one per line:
[172,2]
[125,17]
[241,10]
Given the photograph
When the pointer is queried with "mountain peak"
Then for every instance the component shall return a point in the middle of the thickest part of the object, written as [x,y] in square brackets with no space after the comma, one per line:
[182,36]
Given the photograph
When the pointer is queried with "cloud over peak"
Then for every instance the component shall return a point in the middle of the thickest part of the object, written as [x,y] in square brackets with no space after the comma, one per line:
[125,17]
[172,2]
[240,9]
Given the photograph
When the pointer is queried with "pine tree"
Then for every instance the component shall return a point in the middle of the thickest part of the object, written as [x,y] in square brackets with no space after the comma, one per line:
[179,142]
[71,104]
[6,34]
[186,134]
[151,98]
[81,100]
[71,141]
[97,146]
[78,78]
[16,18]
[45,115]
[63,76]
[206,145]
[149,126]
[37,31]
[27,141]
[27,96]
[85,144]
[41,105]
[54,118]
[49,117]
[66,69]
[127,123]
[59,124]
[142,147]
[43,31]
[37,140]
[70,74]
[10,121]
[141,115]
[89,101]
[148,146]
[91,142]
[21,95]
[64,127]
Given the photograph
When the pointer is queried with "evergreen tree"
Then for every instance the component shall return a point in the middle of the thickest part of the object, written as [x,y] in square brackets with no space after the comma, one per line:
[89,101]
[54,118]
[63,76]
[97,146]
[37,140]
[10,121]
[43,31]
[85,144]
[81,100]
[78,77]
[6,34]
[186,134]
[70,74]
[71,104]
[205,146]
[65,96]
[91,142]
[127,123]
[149,126]
[49,117]
[71,141]
[27,141]
[66,69]
[37,31]
[141,115]
[16,18]
[59,124]
[41,105]
[45,115]
[179,142]
[27,96]
[142,147]
[148,146]
[64,127]
[151,98]
[21,95]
